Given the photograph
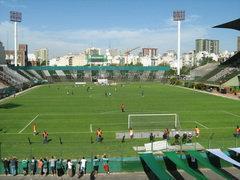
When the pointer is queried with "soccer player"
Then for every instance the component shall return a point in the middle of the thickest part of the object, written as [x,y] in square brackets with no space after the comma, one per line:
[45,137]
[122,107]
[197,131]
[237,131]
[34,129]
[142,93]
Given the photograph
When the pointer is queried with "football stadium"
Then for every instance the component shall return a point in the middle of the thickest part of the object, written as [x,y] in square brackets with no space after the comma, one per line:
[121,121]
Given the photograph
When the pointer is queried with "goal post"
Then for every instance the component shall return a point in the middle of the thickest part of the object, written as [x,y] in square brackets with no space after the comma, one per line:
[153,121]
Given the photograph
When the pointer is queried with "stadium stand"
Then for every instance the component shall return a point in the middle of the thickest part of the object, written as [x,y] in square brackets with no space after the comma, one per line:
[172,156]
[35,74]
[203,70]
[205,163]
[61,75]
[153,169]
[218,153]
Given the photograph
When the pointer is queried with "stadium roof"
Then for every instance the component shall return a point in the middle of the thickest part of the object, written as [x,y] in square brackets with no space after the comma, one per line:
[235,24]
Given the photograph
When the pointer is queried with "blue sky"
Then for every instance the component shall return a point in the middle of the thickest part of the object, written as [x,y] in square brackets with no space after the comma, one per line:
[72,25]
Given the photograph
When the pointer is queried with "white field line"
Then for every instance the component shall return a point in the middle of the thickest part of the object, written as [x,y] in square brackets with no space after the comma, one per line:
[226,112]
[28,124]
[201,125]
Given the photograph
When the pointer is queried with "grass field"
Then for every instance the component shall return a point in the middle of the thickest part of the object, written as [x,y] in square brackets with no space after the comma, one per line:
[69,117]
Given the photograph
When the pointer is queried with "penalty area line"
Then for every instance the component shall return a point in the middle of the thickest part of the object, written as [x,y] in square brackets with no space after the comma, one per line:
[201,125]
[226,112]
[28,124]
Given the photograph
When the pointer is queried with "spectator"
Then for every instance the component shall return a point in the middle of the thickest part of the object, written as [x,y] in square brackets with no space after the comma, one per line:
[25,166]
[45,167]
[13,166]
[176,139]
[59,167]
[6,166]
[96,164]
[93,175]
[105,164]
[184,138]
[83,165]
[189,138]
[33,164]
[52,163]
[40,166]
[69,168]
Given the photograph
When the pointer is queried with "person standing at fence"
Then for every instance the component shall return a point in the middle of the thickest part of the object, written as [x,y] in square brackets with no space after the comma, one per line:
[105,164]
[96,164]
[25,166]
[83,165]
[45,166]
[6,166]
[13,166]
[59,167]
[52,163]
[69,168]
[33,164]
[40,166]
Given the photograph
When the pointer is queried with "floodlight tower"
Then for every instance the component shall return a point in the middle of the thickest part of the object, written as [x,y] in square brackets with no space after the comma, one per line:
[178,16]
[15,17]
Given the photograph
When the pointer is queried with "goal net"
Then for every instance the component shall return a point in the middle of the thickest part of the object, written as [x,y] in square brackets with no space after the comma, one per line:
[146,122]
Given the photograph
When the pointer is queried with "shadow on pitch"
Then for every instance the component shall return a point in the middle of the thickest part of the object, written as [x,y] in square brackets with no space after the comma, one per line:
[9,106]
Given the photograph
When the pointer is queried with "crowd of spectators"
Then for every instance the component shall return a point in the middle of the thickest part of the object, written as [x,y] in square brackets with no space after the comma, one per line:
[53,166]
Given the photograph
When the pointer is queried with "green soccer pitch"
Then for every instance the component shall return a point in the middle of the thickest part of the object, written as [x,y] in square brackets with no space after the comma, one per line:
[67,118]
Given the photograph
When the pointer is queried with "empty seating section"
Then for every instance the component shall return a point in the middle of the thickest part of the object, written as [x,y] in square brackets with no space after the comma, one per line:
[183,165]
[201,71]
[206,163]
[15,75]
[189,163]
[223,73]
[26,74]
[153,169]
[36,74]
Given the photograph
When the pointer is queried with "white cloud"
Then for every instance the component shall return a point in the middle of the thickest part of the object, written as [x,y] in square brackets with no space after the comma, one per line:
[65,41]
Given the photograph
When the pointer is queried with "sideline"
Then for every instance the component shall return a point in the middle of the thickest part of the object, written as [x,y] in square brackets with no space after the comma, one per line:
[28,124]
[19,93]
[205,92]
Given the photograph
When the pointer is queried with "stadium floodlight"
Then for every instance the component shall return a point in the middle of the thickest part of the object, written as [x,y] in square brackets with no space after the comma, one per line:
[15,17]
[178,16]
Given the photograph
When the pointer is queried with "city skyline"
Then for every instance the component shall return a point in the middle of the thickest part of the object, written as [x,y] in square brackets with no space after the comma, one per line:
[72,26]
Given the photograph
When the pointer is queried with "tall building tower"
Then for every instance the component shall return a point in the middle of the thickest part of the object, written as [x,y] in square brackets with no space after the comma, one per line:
[2,54]
[42,55]
[211,46]
[151,52]
[238,43]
